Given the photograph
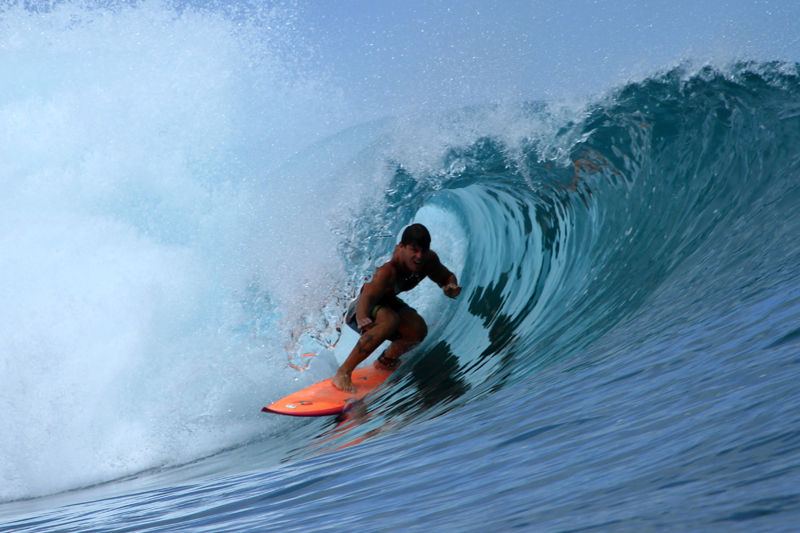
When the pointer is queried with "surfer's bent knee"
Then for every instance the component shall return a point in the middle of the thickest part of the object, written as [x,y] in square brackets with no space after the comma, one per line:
[388,317]
[423,331]
[415,328]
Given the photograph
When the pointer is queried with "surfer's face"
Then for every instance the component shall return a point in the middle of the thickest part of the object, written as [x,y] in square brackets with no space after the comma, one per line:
[414,257]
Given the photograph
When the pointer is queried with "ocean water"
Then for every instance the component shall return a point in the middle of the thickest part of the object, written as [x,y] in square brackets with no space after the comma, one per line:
[187,209]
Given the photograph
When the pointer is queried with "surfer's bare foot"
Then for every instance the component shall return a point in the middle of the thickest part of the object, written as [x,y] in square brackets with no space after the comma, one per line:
[343,382]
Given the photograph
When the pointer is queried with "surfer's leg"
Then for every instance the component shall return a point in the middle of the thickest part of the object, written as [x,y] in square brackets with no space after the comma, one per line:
[386,326]
[411,331]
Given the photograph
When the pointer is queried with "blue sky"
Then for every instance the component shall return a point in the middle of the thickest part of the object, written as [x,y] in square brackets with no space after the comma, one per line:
[431,52]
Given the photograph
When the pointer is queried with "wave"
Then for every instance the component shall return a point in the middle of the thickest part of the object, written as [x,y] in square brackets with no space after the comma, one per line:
[167,274]
[567,232]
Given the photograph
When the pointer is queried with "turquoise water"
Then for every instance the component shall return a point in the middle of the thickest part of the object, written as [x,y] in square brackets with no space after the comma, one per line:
[622,358]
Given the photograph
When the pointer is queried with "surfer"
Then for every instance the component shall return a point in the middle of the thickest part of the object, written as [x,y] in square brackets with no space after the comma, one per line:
[378,314]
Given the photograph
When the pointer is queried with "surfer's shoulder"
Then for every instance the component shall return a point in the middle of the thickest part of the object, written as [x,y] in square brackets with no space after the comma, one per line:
[432,263]
[385,274]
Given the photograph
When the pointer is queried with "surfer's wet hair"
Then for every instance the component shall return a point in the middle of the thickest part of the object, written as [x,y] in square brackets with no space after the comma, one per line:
[418,235]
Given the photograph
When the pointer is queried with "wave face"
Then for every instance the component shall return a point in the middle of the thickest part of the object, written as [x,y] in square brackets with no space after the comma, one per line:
[571,227]
[623,354]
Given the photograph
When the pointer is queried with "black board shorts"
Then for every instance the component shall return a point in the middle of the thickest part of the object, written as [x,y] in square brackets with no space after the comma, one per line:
[392,302]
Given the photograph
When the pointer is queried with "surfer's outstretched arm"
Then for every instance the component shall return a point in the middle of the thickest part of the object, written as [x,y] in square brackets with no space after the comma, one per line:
[440,275]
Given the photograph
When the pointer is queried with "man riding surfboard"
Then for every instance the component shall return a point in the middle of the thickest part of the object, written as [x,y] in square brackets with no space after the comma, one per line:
[379,315]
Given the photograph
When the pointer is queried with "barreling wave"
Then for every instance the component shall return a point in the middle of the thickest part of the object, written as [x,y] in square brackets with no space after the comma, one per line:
[182,248]
[569,231]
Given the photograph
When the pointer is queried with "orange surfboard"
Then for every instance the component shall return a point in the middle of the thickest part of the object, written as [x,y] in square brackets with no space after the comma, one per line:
[323,399]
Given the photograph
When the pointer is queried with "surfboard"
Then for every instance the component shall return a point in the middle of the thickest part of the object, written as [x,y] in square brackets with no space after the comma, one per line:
[323,399]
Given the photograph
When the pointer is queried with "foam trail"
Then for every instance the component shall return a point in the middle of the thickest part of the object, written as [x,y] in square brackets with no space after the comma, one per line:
[133,162]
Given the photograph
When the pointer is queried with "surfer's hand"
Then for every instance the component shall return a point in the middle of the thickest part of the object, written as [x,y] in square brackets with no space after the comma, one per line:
[452,290]
[365,324]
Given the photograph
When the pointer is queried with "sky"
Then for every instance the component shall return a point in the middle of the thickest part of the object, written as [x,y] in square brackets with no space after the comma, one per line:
[415,53]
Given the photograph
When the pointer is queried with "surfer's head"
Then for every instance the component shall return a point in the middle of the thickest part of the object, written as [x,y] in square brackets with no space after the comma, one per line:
[416,235]
[415,245]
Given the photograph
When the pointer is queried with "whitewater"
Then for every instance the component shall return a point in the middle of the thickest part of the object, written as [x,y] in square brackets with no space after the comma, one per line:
[188,203]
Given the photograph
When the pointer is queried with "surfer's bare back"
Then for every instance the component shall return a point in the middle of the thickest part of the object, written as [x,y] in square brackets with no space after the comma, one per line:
[379,315]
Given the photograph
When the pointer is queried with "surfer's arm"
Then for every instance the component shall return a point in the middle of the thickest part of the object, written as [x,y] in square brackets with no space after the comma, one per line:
[440,275]
[370,294]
